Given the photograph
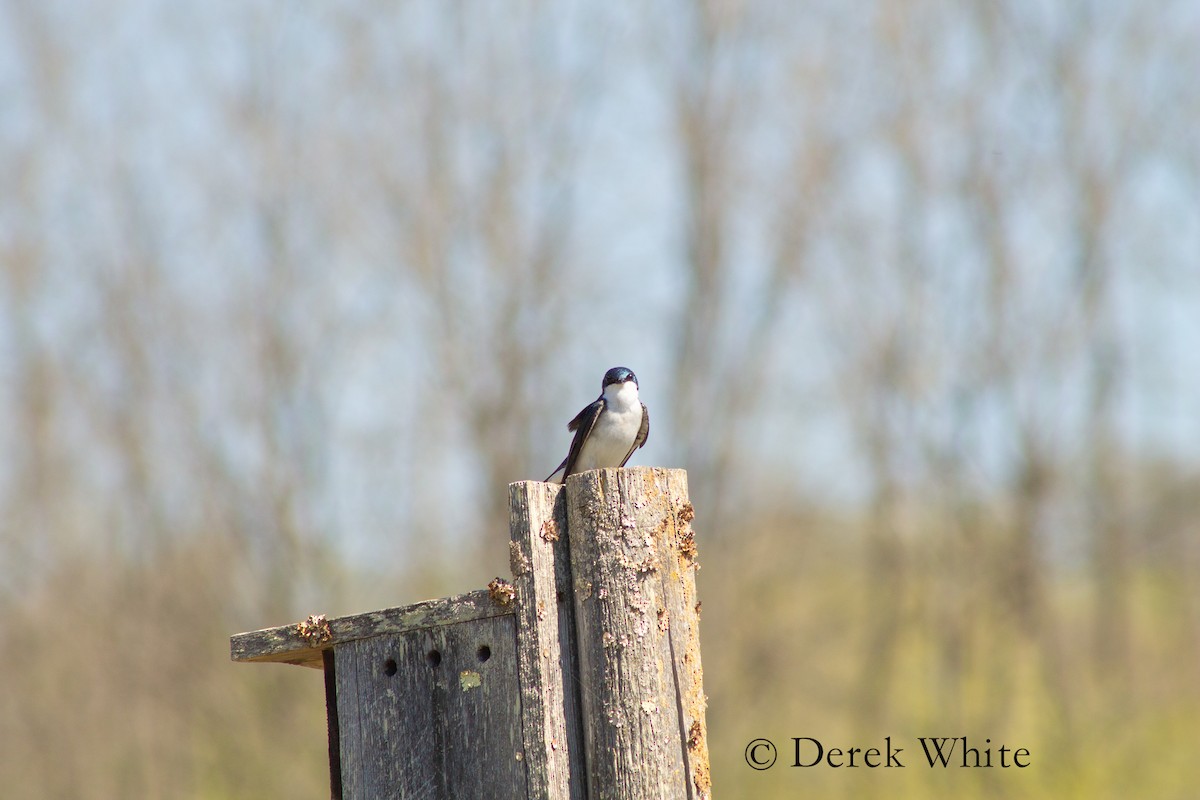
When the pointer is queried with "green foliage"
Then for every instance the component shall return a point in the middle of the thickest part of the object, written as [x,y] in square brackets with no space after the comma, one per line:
[788,621]
[118,682]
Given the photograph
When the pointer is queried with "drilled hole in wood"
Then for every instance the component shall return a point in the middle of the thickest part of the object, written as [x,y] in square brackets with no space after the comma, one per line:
[389,667]
[433,658]
[483,653]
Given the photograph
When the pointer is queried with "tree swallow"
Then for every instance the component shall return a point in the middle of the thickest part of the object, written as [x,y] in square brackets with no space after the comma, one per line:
[609,430]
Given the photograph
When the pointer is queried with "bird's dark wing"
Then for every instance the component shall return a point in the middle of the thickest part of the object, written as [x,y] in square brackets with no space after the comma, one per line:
[642,435]
[583,415]
[556,471]
[583,423]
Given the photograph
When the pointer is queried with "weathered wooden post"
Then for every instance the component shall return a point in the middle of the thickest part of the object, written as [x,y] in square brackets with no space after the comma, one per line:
[633,562]
[580,679]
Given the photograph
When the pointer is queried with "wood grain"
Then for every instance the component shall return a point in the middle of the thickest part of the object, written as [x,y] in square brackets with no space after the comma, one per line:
[431,713]
[285,644]
[633,565]
[540,563]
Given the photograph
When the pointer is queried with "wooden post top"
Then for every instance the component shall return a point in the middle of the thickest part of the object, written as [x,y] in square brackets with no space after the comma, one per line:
[302,643]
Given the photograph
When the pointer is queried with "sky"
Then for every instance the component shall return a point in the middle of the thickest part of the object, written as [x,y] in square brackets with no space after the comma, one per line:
[165,134]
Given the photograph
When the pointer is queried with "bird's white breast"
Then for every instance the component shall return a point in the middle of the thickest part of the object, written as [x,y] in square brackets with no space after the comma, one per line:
[615,431]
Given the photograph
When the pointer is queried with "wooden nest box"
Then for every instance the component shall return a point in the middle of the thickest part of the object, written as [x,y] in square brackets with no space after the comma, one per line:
[579,679]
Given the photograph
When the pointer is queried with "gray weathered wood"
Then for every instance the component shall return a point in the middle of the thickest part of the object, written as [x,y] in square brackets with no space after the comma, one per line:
[431,713]
[546,641]
[633,565]
[285,644]
[582,679]
[331,722]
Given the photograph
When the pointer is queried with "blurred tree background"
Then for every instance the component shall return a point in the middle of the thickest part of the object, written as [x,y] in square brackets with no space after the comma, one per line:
[289,292]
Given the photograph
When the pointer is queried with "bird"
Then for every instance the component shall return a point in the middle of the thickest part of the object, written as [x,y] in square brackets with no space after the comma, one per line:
[608,430]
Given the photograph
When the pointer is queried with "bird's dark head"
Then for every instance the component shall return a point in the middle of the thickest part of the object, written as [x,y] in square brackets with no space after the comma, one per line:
[618,375]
